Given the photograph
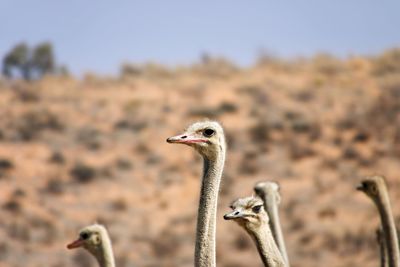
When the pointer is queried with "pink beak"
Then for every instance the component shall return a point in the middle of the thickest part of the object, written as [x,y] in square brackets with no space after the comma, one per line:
[185,139]
[76,244]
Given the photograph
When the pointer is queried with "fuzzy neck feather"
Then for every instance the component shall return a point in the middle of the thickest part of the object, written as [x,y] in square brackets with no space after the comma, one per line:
[267,248]
[389,229]
[207,212]
[104,253]
[271,206]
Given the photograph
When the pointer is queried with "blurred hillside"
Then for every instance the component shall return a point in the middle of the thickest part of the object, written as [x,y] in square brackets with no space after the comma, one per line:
[73,152]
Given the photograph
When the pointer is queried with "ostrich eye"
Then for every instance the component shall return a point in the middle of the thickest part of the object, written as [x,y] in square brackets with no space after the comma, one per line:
[84,236]
[208,132]
[373,189]
[363,186]
[257,209]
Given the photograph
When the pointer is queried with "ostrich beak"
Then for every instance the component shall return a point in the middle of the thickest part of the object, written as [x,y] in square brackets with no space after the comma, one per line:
[360,187]
[186,139]
[233,215]
[76,244]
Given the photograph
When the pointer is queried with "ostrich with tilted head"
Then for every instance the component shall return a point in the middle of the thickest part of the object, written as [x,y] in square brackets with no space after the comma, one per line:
[250,214]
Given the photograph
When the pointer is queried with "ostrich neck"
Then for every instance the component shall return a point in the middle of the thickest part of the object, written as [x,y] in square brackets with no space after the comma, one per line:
[206,220]
[104,254]
[266,246]
[389,228]
[382,247]
[272,210]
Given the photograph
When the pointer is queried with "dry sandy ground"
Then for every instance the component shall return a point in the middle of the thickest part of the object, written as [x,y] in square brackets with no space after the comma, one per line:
[77,152]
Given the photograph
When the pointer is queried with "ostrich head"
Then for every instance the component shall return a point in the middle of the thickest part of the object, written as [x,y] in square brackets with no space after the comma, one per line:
[268,191]
[207,137]
[371,186]
[91,238]
[249,213]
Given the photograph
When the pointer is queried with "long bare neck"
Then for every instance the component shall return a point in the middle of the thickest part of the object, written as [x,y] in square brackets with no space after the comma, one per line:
[382,247]
[104,254]
[207,213]
[271,206]
[266,246]
[389,228]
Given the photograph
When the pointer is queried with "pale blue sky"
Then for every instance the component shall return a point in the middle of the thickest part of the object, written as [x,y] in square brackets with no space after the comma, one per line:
[99,35]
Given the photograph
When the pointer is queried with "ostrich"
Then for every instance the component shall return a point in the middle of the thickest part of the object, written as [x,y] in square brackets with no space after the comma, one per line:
[208,139]
[269,193]
[375,188]
[250,214]
[94,238]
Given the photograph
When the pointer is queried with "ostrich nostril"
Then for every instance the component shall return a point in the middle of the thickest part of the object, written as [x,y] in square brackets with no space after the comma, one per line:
[237,213]
[184,137]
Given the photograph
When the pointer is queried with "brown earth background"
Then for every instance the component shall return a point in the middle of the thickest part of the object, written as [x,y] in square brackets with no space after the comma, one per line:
[78,151]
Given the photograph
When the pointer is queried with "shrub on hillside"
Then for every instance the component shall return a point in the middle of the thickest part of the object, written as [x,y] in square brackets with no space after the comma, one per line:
[31,123]
[83,173]
[55,186]
[387,63]
[5,165]
[327,64]
[215,67]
